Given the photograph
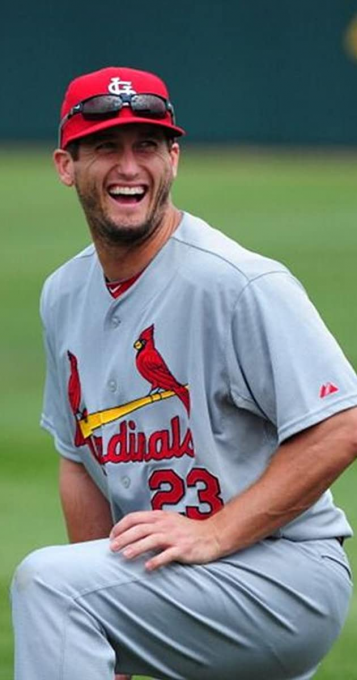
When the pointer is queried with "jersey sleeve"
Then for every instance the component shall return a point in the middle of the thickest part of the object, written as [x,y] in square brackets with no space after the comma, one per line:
[55,417]
[283,363]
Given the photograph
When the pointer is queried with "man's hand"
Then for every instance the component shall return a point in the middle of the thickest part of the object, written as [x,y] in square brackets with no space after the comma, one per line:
[175,537]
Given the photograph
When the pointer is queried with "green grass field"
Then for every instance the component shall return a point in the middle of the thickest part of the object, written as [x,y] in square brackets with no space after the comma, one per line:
[295,207]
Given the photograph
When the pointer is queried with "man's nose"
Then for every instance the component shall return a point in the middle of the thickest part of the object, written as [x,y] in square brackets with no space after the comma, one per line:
[127,162]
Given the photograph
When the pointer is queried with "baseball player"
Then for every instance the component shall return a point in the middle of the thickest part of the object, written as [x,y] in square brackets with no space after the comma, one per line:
[201,410]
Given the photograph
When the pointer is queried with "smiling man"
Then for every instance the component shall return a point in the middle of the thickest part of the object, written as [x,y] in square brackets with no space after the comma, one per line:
[201,410]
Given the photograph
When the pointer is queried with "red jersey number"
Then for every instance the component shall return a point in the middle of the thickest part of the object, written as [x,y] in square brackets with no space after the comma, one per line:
[170,489]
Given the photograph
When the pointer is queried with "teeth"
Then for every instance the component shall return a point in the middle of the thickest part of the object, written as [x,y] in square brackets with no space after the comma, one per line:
[127,191]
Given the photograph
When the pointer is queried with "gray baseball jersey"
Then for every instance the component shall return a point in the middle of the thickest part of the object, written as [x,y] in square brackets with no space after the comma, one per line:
[176,394]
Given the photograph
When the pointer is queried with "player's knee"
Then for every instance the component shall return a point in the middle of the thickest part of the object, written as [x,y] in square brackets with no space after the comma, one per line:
[39,567]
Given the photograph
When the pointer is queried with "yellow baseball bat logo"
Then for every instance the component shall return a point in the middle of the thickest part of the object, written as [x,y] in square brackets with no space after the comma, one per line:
[94,420]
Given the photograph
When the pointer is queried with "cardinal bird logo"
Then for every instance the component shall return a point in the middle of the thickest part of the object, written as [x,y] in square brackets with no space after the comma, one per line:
[153,368]
[74,396]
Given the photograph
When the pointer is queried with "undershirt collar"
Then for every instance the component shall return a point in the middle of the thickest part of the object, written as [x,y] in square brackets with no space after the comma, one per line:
[117,288]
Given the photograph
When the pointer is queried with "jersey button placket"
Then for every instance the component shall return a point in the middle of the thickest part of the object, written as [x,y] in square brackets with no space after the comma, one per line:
[115,321]
[112,385]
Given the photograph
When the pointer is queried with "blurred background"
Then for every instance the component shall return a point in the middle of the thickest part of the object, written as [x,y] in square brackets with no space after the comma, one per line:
[279,72]
[267,92]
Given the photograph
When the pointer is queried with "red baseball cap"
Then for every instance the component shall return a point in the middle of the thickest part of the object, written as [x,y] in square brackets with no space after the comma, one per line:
[114,80]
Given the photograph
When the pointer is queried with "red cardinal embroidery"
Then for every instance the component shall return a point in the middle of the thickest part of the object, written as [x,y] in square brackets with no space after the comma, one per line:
[153,368]
[74,396]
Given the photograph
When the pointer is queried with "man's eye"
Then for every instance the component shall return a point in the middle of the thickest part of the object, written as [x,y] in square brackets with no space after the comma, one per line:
[148,145]
[105,146]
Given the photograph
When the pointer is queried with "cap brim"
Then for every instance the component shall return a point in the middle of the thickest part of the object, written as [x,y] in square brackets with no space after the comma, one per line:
[173,130]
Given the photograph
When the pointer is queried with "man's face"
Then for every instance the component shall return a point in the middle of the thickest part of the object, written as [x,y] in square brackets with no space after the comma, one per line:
[123,178]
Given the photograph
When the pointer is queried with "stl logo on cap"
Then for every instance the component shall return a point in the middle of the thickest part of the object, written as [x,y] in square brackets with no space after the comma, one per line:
[118,86]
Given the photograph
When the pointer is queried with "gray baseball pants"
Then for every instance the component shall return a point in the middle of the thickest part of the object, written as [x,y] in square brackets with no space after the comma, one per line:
[270,612]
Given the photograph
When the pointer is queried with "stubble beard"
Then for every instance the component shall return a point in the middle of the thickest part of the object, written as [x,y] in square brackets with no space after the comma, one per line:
[112,233]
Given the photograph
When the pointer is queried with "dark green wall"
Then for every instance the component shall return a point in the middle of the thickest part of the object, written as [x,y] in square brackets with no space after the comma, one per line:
[259,71]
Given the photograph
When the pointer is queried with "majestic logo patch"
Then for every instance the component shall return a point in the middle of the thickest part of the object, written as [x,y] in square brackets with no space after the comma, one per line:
[118,86]
[327,389]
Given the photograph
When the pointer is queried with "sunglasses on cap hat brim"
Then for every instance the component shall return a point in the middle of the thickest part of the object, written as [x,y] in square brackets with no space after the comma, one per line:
[105,107]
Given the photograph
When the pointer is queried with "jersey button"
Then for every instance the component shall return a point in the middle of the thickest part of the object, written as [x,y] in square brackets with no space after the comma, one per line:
[112,384]
[115,321]
[126,482]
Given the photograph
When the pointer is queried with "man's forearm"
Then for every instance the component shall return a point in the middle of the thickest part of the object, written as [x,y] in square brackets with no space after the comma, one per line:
[299,473]
[86,510]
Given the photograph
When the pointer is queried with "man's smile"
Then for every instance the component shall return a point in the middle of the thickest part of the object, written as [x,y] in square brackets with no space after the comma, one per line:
[127,194]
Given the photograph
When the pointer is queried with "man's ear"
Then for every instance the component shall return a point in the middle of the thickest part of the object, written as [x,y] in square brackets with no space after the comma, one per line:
[175,156]
[65,166]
